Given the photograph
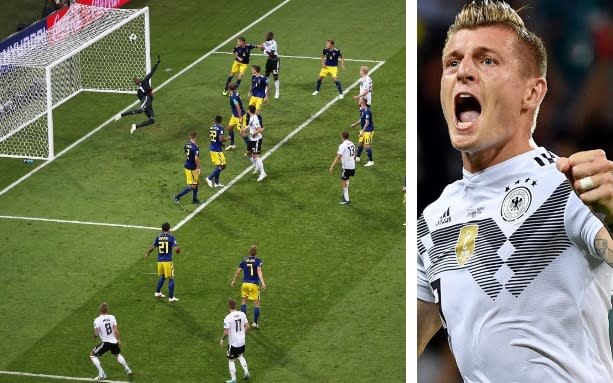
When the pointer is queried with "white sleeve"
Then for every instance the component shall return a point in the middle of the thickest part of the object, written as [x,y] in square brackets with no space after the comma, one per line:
[424,290]
[113,320]
[226,324]
[581,225]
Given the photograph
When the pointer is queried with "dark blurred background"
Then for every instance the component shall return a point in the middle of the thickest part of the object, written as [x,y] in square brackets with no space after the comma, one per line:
[18,14]
[577,112]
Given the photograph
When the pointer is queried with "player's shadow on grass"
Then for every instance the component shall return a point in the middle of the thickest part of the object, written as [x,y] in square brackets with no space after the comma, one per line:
[280,358]
[191,325]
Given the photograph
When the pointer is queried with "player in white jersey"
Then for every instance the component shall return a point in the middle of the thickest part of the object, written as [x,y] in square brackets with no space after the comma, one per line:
[273,63]
[105,328]
[253,130]
[365,86]
[235,327]
[346,153]
[511,258]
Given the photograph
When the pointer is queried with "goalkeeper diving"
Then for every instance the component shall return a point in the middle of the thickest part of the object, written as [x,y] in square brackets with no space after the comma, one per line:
[145,95]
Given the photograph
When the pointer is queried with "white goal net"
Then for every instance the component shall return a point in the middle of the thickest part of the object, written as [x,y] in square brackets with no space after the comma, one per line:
[89,49]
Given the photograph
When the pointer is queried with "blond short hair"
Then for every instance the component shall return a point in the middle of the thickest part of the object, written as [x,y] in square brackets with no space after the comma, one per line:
[480,13]
[364,68]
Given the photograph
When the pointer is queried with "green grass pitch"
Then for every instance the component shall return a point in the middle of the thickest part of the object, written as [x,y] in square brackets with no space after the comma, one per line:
[334,310]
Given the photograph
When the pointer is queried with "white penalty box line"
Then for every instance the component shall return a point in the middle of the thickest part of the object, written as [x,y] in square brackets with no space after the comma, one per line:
[304,57]
[58,377]
[75,222]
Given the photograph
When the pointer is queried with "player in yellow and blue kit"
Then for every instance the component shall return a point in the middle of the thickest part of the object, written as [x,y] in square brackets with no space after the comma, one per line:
[241,52]
[165,243]
[259,88]
[216,133]
[367,131]
[329,66]
[252,277]
[192,169]
[238,118]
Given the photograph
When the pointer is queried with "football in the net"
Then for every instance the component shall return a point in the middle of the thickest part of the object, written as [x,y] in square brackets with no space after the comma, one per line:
[133,37]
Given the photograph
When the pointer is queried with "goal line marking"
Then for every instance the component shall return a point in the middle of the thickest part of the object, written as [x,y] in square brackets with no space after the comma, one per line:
[59,377]
[303,57]
[78,222]
[270,152]
[168,81]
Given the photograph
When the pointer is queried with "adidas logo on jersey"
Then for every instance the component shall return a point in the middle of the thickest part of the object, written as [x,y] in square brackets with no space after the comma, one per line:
[445,218]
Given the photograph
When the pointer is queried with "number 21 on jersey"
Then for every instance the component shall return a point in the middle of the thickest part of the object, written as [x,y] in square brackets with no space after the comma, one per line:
[163,247]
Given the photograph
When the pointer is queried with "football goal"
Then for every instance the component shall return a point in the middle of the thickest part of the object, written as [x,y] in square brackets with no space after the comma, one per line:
[90,48]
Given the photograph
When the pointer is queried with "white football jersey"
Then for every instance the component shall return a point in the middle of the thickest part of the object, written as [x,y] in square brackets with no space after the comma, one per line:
[347,151]
[254,123]
[104,324]
[270,46]
[366,85]
[235,323]
[508,254]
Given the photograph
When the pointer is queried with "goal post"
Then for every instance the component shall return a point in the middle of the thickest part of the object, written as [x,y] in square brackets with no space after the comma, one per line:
[92,49]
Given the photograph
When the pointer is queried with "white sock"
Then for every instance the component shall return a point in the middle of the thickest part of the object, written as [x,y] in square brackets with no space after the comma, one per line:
[232,368]
[253,161]
[260,165]
[96,363]
[277,86]
[346,193]
[243,362]
[123,362]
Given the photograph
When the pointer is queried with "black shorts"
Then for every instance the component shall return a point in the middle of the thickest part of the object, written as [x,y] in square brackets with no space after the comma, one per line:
[234,352]
[346,173]
[272,66]
[103,347]
[255,146]
[146,104]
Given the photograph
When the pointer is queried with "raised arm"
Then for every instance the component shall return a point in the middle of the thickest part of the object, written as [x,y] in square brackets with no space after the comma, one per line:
[590,174]
[155,67]
[428,323]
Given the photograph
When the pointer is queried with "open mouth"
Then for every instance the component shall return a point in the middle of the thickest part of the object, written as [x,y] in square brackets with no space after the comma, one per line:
[467,109]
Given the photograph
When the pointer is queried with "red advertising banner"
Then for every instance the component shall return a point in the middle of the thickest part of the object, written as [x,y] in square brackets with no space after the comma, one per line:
[78,18]
[104,3]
